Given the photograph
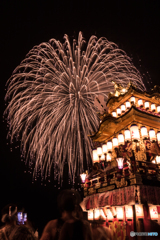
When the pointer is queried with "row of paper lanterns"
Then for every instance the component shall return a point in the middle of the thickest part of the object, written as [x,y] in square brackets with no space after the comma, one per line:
[140,103]
[109,213]
[132,134]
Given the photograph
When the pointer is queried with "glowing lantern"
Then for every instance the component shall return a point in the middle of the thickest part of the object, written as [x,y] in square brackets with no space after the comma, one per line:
[154,161]
[158,136]
[129,212]
[146,105]
[153,212]
[127,135]
[140,103]
[113,211]
[109,214]
[115,142]
[128,105]
[99,152]
[118,111]
[114,114]
[144,132]
[123,108]
[96,214]
[109,146]
[120,162]
[120,139]
[104,148]
[102,157]
[158,159]
[95,156]
[108,157]
[83,177]
[153,107]
[133,100]
[139,211]
[90,215]
[134,132]
[120,213]
[158,109]
[102,215]
[152,135]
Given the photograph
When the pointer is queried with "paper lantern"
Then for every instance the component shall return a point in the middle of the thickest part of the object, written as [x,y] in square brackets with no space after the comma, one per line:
[134,132]
[127,135]
[95,156]
[120,162]
[113,211]
[104,148]
[158,159]
[152,135]
[102,157]
[118,111]
[120,213]
[102,215]
[96,214]
[129,212]
[158,136]
[109,146]
[114,114]
[144,132]
[133,100]
[158,109]
[153,212]
[139,211]
[128,105]
[120,139]
[90,215]
[99,151]
[83,177]
[109,157]
[115,142]
[123,108]
[146,105]
[109,214]
[153,107]
[140,103]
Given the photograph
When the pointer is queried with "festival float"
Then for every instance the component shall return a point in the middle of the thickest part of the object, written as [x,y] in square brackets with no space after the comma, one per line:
[125,178]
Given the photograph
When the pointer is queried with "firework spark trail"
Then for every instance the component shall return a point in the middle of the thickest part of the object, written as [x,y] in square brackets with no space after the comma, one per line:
[51,99]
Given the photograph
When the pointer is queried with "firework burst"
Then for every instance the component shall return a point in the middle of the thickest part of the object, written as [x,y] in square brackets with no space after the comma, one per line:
[51,99]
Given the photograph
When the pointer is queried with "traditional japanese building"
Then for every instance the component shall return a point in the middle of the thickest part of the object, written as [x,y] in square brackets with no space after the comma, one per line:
[123,188]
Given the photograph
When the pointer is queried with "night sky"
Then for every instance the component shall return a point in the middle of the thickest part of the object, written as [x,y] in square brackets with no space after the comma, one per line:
[133,25]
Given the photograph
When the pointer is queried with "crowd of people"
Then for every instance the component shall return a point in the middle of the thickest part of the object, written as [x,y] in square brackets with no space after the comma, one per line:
[70,226]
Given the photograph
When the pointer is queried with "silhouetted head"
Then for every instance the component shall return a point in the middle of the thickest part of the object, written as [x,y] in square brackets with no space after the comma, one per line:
[9,214]
[22,232]
[68,200]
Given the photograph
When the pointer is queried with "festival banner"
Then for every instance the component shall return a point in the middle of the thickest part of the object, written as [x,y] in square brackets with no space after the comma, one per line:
[118,197]
[114,198]
[101,200]
[107,198]
[123,196]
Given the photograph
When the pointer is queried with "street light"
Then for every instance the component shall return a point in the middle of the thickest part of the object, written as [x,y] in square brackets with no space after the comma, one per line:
[120,162]
[83,177]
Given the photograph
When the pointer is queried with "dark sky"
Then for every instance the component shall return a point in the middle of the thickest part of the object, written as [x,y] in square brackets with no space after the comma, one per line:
[133,25]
